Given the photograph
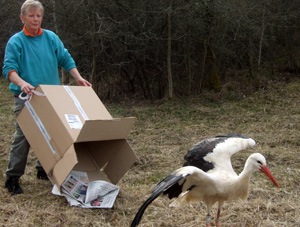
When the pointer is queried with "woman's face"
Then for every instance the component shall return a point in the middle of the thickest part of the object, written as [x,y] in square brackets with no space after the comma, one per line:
[32,20]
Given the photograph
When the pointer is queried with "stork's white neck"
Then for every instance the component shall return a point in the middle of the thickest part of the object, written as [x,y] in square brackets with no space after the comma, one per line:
[241,185]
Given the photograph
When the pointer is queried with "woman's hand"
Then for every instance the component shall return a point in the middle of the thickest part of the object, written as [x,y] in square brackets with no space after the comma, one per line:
[79,79]
[83,82]
[16,79]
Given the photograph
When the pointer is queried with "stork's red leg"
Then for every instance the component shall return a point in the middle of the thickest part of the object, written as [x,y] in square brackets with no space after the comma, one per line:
[219,214]
[218,218]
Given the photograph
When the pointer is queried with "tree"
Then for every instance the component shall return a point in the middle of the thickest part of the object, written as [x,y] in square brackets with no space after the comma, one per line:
[169,52]
[158,49]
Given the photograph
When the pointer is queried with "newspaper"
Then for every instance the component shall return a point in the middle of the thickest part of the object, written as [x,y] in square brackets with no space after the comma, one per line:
[80,192]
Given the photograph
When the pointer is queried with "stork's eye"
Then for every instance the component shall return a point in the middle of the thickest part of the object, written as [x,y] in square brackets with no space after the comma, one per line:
[259,162]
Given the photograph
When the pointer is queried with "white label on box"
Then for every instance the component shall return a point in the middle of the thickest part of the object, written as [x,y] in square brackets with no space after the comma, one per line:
[41,127]
[74,121]
[77,103]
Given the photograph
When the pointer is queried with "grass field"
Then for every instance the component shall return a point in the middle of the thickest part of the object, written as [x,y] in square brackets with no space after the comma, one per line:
[161,136]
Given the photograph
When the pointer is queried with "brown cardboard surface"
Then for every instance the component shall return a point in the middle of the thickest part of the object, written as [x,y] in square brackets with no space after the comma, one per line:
[63,167]
[120,162]
[99,147]
[117,128]
[61,101]
[47,158]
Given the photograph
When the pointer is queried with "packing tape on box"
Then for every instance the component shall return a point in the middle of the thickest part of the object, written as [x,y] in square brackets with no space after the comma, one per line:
[41,128]
[77,103]
[25,96]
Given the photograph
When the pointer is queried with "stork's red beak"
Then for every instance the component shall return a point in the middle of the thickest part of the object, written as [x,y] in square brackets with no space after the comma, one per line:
[267,171]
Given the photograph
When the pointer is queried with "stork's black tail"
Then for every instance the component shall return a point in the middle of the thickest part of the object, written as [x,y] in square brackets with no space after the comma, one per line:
[161,187]
[142,209]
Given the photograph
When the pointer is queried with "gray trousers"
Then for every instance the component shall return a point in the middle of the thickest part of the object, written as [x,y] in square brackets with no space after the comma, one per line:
[19,147]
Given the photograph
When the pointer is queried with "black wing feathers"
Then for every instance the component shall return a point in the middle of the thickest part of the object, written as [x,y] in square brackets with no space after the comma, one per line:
[166,187]
[174,189]
[195,156]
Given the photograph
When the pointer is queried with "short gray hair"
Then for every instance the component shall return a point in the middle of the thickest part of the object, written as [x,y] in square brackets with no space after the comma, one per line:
[30,4]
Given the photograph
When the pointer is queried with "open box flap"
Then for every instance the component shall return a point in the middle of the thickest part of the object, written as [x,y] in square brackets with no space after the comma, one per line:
[100,130]
[120,162]
[63,167]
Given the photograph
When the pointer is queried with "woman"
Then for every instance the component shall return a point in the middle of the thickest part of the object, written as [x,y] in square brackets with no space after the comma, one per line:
[32,57]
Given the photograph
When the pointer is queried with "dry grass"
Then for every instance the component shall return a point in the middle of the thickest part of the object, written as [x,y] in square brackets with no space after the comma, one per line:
[161,136]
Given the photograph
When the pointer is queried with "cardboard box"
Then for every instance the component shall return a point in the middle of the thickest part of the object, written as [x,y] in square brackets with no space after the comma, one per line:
[69,128]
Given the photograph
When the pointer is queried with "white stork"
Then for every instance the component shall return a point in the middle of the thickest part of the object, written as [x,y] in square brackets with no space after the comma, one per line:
[208,176]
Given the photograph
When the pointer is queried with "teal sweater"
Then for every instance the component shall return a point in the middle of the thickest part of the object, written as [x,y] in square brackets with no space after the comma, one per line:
[36,59]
